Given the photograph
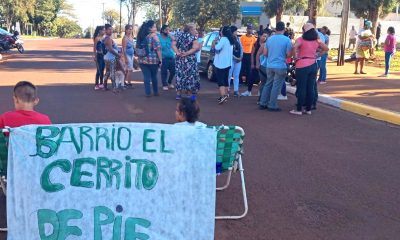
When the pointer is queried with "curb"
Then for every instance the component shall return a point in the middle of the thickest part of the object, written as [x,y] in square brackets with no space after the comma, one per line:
[358,108]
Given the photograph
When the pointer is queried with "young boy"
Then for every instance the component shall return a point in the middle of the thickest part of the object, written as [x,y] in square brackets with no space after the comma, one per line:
[25,99]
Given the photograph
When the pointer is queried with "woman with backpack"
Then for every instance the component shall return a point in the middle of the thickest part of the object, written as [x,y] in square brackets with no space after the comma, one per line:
[234,71]
[223,61]
[98,56]
[148,50]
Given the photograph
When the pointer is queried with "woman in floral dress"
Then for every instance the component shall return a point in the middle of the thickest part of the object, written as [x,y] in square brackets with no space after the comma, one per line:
[187,74]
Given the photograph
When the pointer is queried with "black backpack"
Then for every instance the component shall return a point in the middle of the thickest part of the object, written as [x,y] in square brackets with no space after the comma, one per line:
[237,48]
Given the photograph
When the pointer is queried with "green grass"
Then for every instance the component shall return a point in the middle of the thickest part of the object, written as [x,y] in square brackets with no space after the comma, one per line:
[379,60]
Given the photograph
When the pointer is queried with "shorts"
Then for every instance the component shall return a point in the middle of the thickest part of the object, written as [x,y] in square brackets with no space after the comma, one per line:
[352,41]
[129,62]
[222,76]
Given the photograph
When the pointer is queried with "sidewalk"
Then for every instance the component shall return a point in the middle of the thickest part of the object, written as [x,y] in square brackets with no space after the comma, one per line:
[379,96]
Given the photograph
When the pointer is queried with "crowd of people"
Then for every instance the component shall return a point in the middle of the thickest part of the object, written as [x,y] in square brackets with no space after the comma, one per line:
[257,57]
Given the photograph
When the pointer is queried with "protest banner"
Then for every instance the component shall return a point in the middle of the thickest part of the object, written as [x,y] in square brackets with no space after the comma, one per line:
[119,181]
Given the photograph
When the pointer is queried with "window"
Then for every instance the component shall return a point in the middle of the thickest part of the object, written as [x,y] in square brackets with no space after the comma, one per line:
[211,39]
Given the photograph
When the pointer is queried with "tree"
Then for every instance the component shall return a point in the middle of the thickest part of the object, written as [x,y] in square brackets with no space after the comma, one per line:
[312,11]
[372,9]
[275,8]
[45,13]
[111,16]
[152,13]
[65,27]
[133,6]
[16,10]
[203,12]
[166,9]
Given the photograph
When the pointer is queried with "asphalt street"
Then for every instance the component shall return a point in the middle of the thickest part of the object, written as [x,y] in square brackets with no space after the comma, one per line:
[331,175]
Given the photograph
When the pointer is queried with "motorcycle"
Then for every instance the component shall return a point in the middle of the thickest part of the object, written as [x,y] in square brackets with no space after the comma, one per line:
[8,42]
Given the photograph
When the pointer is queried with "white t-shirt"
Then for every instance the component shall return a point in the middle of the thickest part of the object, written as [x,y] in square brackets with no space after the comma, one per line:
[223,54]
[353,34]
[195,124]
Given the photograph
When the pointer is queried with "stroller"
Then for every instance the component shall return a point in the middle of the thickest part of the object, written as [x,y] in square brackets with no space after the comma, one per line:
[291,73]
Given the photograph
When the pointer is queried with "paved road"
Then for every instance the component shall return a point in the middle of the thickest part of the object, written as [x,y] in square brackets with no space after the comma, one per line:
[332,175]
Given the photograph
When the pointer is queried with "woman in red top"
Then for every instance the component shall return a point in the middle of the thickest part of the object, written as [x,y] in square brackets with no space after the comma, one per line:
[390,49]
[305,52]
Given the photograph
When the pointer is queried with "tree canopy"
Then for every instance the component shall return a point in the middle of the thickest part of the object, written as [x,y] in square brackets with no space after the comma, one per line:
[275,8]
[372,9]
[203,12]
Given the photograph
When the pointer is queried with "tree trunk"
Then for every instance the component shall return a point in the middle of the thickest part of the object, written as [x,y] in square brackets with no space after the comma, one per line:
[373,16]
[133,13]
[279,12]
[312,11]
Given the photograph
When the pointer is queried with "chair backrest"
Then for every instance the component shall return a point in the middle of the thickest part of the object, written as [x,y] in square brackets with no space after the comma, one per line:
[229,146]
[3,154]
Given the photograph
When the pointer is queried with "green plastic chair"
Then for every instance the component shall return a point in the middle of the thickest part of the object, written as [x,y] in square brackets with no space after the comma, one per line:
[3,160]
[229,160]
[3,164]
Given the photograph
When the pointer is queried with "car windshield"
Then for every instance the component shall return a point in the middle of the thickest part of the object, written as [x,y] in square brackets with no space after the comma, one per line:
[4,32]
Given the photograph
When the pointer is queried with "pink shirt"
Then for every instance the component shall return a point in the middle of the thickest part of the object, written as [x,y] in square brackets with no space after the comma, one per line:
[307,53]
[391,45]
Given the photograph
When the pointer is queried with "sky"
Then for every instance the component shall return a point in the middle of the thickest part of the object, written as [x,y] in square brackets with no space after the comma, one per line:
[89,12]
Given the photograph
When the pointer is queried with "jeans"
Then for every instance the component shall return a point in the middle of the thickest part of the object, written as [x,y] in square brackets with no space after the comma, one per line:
[168,64]
[100,64]
[235,72]
[388,59]
[272,88]
[150,75]
[322,68]
[263,79]
[283,90]
[306,86]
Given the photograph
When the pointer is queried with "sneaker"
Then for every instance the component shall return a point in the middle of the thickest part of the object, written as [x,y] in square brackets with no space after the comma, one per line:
[295,112]
[101,86]
[281,97]
[236,94]
[322,82]
[383,75]
[96,87]
[262,107]
[246,94]
[165,88]
[171,86]
[222,99]
[307,112]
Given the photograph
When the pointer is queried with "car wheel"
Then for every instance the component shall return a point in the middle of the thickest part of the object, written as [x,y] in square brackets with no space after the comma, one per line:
[210,72]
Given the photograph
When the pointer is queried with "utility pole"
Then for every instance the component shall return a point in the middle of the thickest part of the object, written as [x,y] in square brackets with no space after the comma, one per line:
[160,12]
[120,17]
[103,14]
[343,32]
